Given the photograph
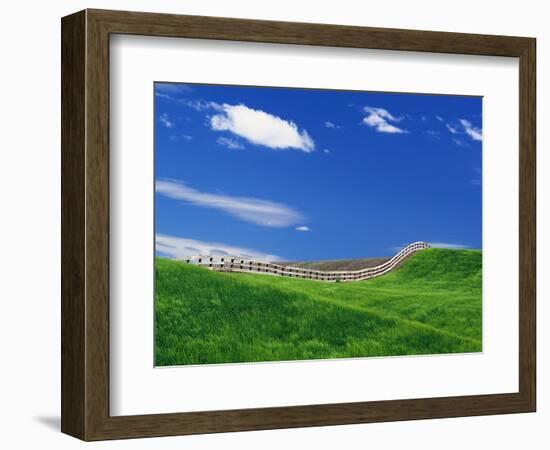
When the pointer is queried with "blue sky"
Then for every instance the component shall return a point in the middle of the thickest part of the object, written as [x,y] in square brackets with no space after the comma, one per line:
[308,174]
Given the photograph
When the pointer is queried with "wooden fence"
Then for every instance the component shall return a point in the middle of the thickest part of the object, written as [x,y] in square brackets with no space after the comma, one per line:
[239,264]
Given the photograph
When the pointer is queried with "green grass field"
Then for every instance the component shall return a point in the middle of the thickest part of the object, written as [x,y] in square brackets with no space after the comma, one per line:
[431,304]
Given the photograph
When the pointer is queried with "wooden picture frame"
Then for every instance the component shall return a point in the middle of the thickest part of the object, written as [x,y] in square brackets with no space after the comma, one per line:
[85,224]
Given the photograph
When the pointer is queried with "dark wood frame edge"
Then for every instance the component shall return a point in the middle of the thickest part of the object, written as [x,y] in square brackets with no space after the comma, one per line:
[85,225]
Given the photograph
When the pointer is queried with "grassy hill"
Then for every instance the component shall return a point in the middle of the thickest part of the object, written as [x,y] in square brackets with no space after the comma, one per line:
[432,304]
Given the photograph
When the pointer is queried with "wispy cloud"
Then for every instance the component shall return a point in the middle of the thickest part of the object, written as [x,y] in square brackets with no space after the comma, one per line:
[163,95]
[261,128]
[185,137]
[452,129]
[303,228]
[165,120]
[257,211]
[172,88]
[332,125]
[326,151]
[201,105]
[460,142]
[473,132]
[229,143]
[432,133]
[439,118]
[448,245]
[379,118]
[176,247]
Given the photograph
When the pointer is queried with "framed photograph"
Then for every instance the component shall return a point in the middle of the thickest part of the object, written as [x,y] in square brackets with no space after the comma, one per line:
[272,225]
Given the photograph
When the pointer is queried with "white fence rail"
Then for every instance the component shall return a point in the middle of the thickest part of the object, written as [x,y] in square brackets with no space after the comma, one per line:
[238,264]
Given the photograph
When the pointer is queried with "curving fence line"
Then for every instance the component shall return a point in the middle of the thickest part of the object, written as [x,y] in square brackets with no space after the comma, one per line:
[239,264]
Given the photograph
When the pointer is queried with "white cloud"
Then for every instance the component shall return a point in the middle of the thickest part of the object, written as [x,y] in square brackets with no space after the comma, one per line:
[165,120]
[229,143]
[473,132]
[303,228]
[332,125]
[326,151]
[379,118]
[257,211]
[261,128]
[176,247]
[439,118]
[447,245]
[452,129]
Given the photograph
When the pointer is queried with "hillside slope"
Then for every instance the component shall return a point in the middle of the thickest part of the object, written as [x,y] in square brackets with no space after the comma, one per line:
[432,304]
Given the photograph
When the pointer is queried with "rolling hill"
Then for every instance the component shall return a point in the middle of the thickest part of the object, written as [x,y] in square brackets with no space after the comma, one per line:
[431,304]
